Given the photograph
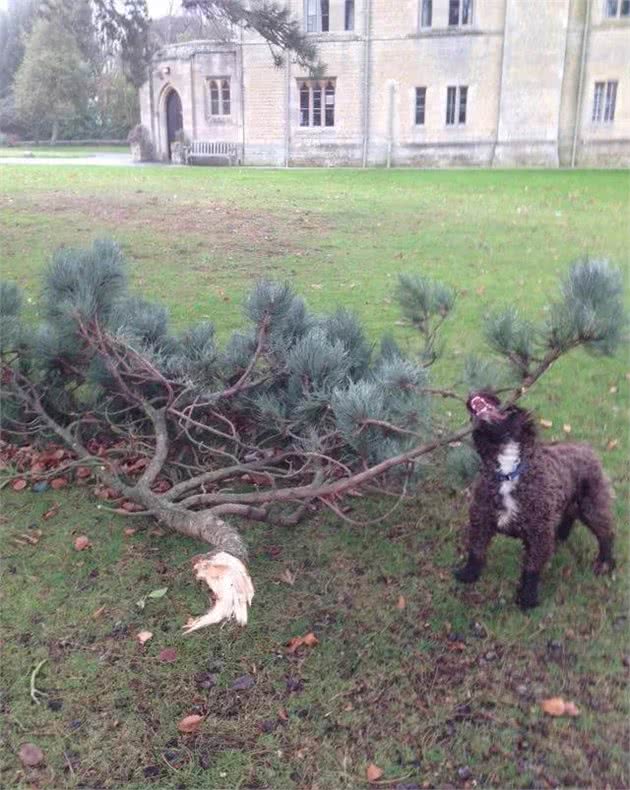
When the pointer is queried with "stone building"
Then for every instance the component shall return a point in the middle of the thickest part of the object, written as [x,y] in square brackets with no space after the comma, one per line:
[411,82]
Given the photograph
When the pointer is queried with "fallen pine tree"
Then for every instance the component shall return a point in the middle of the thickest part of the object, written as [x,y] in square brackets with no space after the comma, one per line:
[294,413]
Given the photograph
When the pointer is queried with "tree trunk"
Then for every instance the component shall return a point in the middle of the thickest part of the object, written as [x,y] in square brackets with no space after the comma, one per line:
[223,569]
[200,525]
[55,132]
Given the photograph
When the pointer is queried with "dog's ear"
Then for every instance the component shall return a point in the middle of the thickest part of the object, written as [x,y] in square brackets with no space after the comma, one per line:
[522,422]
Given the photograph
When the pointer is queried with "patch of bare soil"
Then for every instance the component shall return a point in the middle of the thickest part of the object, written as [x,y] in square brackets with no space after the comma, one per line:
[219,225]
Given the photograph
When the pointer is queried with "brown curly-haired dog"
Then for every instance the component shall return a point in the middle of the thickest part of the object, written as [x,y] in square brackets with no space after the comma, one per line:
[533,491]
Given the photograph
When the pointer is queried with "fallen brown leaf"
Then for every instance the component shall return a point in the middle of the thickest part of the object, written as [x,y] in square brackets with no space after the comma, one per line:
[104,492]
[288,577]
[283,715]
[51,512]
[98,613]
[556,706]
[612,444]
[30,755]
[401,602]
[293,644]
[138,465]
[19,485]
[546,423]
[168,655]
[190,723]
[553,706]
[309,640]
[373,773]
[129,531]
[58,482]
[144,636]
[82,542]
[566,428]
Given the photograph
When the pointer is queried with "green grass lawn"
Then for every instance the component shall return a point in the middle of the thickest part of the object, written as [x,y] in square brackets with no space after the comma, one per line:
[60,151]
[442,692]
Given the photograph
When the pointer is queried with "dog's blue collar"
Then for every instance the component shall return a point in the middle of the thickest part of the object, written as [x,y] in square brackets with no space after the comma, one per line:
[518,470]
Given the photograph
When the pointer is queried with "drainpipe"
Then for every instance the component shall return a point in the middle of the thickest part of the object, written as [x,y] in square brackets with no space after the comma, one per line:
[152,106]
[242,48]
[366,81]
[500,91]
[287,112]
[578,115]
[192,96]
[390,124]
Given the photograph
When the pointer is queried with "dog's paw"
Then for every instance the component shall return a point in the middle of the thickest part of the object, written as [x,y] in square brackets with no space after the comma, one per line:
[603,566]
[527,595]
[526,601]
[467,574]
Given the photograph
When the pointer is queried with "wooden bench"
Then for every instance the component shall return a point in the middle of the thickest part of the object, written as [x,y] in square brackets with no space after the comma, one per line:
[201,150]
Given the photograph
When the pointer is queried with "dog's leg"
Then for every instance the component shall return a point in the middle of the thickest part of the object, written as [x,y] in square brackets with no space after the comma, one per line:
[537,553]
[478,540]
[566,525]
[595,513]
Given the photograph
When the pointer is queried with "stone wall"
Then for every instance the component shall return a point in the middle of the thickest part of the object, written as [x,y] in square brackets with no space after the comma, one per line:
[608,58]
[528,90]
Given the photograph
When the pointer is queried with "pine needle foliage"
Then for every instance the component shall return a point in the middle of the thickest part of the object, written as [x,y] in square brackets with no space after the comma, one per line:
[302,396]
[294,412]
[10,310]
[462,464]
[83,284]
[481,373]
[591,310]
[422,298]
[140,322]
[511,335]
[426,304]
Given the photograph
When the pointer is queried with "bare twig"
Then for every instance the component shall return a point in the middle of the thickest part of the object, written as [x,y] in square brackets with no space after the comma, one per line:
[35,692]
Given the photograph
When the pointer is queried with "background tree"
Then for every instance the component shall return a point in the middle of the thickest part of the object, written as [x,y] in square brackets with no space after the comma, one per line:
[15,24]
[53,81]
[295,412]
[114,109]
[192,25]
[128,26]
[107,46]
[271,20]
[124,30]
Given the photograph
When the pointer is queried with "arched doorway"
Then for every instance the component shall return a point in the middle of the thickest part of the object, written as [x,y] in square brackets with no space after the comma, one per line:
[174,119]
